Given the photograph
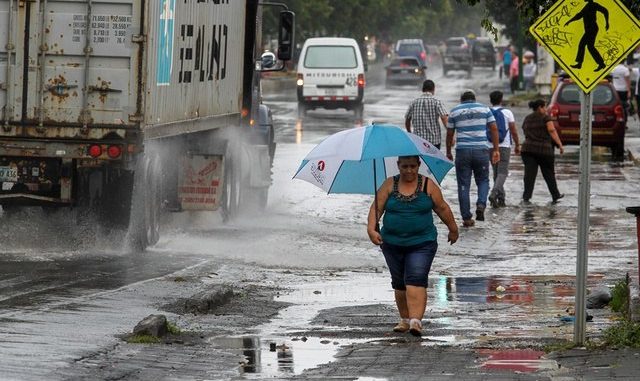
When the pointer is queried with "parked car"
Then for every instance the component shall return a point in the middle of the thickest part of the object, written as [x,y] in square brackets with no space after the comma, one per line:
[608,124]
[484,53]
[412,47]
[457,55]
[331,75]
[405,70]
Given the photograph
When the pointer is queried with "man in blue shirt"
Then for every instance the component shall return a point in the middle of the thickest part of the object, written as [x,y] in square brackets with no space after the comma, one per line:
[469,122]
[506,61]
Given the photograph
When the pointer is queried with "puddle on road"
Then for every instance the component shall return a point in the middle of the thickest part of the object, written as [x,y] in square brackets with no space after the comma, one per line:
[518,306]
[516,360]
[277,357]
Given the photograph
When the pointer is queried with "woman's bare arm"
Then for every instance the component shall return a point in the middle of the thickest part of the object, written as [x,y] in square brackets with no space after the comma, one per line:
[554,135]
[443,211]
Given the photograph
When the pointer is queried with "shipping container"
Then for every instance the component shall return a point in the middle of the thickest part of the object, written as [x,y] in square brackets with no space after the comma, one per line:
[128,108]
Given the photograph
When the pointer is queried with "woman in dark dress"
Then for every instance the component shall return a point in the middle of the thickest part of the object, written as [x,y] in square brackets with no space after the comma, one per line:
[541,138]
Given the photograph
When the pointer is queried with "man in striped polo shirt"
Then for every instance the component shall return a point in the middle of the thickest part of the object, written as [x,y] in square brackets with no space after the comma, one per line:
[469,122]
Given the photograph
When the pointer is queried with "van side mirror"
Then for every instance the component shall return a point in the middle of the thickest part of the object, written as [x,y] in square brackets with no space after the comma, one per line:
[286,38]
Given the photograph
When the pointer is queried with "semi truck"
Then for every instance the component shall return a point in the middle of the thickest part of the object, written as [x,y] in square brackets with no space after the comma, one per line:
[123,110]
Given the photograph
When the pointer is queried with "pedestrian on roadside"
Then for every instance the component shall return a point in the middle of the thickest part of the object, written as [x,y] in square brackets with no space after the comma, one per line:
[622,83]
[506,61]
[510,138]
[469,122]
[529,74]
[423,114]
[408,237]
[514,73]
[538,151]
[636,88]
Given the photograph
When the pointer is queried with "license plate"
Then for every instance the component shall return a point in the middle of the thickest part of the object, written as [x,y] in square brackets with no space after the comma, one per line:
[330,92]
[580,117]
[8,174]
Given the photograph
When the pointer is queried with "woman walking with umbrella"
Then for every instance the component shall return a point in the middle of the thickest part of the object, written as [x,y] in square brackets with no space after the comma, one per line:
[408,237]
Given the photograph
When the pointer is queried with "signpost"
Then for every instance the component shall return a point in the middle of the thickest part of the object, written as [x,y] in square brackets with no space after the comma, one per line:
[587,39]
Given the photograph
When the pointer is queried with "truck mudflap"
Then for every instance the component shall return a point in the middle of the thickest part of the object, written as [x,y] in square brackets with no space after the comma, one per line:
[201,180]
[209,181]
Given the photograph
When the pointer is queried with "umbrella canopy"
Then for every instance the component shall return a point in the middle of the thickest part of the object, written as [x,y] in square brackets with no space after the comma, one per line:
[358,160]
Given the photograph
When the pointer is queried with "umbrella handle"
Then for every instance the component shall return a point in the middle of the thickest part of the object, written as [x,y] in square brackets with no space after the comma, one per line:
[375,196]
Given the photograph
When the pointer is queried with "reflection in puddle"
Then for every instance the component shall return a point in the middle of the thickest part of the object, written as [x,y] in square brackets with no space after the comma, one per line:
[516,360]
[299,131]
[461,311]
[279,357]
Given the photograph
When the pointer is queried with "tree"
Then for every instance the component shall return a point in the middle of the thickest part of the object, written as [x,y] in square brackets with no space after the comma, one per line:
[523,12]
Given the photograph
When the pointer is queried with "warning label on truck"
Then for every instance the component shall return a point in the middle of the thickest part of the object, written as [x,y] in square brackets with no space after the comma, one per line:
[201,181]
[108,34]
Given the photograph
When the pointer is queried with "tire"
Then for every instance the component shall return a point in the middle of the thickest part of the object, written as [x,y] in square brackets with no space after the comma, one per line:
[231,187]
[144,225]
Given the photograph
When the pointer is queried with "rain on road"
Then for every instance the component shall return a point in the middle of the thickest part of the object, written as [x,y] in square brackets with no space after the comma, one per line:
[64,298]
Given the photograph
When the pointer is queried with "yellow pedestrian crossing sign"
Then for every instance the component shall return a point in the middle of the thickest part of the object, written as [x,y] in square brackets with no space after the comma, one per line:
[587,37]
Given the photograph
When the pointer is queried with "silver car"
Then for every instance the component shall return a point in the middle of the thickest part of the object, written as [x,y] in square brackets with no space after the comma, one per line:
[405,71]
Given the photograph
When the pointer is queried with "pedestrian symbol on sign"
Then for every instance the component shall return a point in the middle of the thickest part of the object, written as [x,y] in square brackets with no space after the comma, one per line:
[608,31]
[589,15]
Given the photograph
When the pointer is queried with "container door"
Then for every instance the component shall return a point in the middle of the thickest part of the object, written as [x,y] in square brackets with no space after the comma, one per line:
[82,61]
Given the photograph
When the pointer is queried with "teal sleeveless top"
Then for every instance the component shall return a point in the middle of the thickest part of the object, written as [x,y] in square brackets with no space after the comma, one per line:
[408,220]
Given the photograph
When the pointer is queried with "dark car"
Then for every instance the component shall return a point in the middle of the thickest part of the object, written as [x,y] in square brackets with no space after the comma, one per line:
[405,70]
[608,124]
[484,53]
[412,47]
[457,55]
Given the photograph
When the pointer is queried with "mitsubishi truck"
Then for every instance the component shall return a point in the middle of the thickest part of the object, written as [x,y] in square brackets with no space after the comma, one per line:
[127,109]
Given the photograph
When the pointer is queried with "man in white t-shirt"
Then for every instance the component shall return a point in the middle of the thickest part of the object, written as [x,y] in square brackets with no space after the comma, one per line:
[636,87]
[501,168]
[622,83]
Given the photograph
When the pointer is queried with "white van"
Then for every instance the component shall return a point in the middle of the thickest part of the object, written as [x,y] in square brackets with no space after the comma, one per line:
[331,75]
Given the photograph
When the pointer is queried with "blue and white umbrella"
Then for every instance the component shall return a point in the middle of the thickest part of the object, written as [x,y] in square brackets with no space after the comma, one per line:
[358,160]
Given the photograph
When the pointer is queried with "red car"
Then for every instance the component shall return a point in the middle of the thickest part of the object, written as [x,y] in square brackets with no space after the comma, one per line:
[608,121]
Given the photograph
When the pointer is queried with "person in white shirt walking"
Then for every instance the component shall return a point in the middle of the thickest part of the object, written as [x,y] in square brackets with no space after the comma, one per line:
[501,168]
[622,83]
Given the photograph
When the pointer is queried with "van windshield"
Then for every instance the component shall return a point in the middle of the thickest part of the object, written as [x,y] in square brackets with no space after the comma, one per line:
[334,57]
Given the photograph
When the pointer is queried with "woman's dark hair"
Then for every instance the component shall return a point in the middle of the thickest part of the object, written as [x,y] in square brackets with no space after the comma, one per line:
[536,104]
[416,157]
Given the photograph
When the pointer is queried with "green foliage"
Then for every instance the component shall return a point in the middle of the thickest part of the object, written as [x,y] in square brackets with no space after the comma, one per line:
[142,339]
[431,20]
[559,346]
[173,329]
[620,296]
[623,334]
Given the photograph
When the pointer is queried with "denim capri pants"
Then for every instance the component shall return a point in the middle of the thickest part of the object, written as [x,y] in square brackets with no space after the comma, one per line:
[409,265]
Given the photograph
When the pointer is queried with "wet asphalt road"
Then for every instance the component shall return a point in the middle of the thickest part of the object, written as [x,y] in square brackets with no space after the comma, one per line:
[66,295]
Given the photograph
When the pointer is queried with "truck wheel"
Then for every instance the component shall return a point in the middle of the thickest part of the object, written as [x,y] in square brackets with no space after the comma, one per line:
[231,189]
[144,226]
